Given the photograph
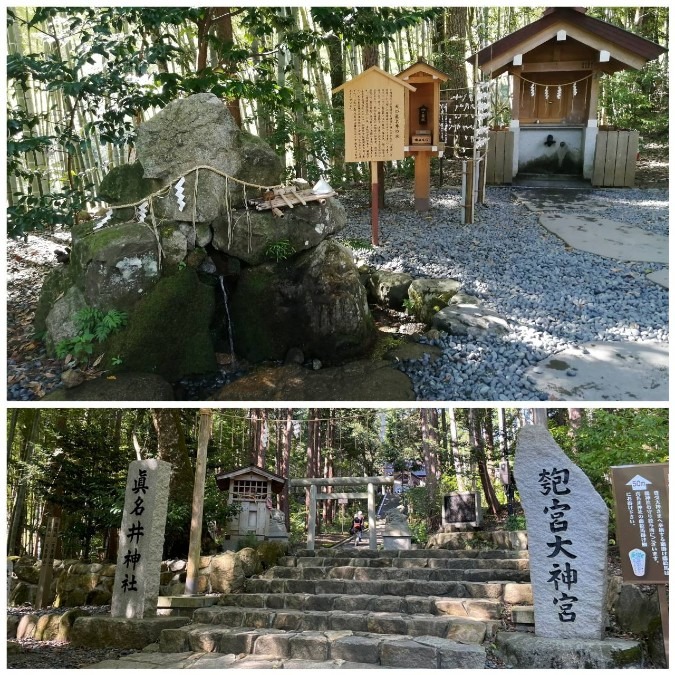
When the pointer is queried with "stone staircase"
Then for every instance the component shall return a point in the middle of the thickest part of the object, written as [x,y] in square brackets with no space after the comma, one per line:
[354,607]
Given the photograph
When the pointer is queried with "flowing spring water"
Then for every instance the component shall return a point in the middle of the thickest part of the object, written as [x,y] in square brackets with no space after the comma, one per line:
[229,321]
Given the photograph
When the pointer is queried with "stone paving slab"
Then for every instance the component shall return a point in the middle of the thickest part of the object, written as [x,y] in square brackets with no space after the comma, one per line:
[660,277]
[608,238]
[609,371]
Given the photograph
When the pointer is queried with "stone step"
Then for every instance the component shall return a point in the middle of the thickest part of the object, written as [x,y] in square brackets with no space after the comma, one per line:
[396,574]
[461,628]
[409,563]
[514,593]
[156,661]
[395,651]
[461,607]
[438,553]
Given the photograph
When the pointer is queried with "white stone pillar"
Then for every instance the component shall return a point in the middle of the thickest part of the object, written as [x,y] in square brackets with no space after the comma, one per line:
[567,529]
[141,540]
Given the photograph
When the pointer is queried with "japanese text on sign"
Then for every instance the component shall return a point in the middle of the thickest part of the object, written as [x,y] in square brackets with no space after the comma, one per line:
[563,575]
[134,532]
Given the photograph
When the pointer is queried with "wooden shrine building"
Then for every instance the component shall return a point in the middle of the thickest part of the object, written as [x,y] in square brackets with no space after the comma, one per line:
[556,64]
[251,488]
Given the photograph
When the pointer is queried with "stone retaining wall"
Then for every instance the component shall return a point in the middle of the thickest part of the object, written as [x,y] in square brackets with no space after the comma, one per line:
[75,583]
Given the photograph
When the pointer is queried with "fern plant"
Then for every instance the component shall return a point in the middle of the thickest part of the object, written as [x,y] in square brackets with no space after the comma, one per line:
[93,325]
[280,250]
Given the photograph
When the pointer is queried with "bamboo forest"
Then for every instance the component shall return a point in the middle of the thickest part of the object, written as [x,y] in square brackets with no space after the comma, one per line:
[81,81]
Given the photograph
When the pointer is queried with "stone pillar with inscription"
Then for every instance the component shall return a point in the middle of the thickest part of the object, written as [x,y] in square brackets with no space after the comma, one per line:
[141,540]
[567,528]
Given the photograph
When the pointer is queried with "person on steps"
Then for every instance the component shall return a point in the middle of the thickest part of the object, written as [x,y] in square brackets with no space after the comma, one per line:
[357,526]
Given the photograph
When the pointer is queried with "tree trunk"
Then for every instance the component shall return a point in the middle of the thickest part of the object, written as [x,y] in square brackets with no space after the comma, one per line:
[221,18]
[285,464]
[454,449]
[429,420]
[171,447]
[477,443]
[18,508]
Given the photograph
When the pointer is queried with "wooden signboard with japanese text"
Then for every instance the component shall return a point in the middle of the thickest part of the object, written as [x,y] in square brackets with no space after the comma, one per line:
[641,497]
[375,114]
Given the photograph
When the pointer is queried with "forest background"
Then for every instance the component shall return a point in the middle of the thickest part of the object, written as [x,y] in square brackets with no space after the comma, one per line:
[81,80]
[72,463]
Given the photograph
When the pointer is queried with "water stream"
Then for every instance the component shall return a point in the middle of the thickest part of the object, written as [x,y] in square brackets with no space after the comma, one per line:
[229,322]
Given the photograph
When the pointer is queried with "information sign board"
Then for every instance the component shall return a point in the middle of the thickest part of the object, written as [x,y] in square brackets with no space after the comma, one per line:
[641,497]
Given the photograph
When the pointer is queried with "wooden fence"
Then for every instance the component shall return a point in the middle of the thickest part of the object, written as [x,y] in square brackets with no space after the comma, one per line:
[615,159]
[499,167]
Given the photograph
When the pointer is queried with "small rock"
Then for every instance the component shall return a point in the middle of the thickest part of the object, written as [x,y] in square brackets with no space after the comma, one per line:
[316,364]
[72,378]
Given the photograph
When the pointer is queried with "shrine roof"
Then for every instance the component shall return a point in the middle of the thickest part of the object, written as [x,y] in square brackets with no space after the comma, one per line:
[373,70]
[627,49]
[223,479]
[423,67]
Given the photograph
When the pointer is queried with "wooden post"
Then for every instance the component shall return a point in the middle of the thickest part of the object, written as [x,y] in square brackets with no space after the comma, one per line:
[374,204]
[468,191]
[663,603]
[372,531]
[48,551]
[194,550]
[422,180]
[482,175]
[311,525]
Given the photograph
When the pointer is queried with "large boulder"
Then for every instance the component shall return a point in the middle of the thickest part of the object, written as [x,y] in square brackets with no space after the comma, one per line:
[314,301]
[60,322]
[247,235]
[126,184]
[227,573]
[200,131]
[168,330]
[115,266]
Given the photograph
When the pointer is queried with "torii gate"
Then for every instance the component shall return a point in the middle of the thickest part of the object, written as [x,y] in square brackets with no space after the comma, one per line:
[311,485]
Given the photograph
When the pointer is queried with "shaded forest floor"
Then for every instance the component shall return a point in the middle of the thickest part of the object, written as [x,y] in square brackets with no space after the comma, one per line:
[31,373]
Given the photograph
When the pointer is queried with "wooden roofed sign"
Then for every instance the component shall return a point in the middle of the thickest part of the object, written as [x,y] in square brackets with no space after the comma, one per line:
[375,116]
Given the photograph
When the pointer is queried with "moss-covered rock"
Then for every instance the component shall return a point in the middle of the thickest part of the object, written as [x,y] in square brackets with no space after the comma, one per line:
[56,283]
[429,296]
[126,184]
[116,265]
[249,236]
[314,301]
[168,330]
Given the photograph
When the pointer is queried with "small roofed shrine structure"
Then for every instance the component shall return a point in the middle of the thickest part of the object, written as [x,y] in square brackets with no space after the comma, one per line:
[555,64]
[251,488]
[422,124]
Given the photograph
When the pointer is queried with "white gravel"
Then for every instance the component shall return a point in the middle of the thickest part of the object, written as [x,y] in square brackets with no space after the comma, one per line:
[553,297]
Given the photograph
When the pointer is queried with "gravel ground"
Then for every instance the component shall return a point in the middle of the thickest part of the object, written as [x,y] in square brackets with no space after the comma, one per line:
[554,297]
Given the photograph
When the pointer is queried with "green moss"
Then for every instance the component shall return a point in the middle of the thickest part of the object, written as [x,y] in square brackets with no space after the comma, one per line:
[384,343]
[168,330]
[257,336]
[126,185]
[58,281]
